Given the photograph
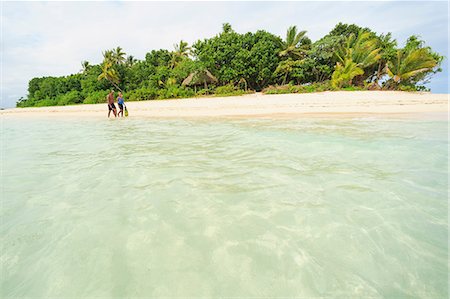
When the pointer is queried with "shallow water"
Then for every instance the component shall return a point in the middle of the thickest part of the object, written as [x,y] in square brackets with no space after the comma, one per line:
[224,208]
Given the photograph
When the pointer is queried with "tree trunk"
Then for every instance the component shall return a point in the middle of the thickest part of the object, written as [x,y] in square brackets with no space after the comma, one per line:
[284,79]
[378,73]
[115,85]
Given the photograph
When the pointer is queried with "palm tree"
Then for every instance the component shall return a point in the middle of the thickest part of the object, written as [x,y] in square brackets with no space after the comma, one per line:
[130,60]
[85,66]
[293,47]
[108,56]
[110,74]
[361,49]
[388,51]
[286,67]
[118,55]
[226,28]
[358,52]
[182,49]
[181,52]
[409,63]
[344,73]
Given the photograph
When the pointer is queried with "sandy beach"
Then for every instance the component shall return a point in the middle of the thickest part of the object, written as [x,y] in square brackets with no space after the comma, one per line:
[341,103]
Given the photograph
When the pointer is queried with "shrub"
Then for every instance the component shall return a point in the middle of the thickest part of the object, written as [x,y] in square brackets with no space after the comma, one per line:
[402,87]
[174,92]
[69,98]
[228,90]
[46,102]
[96,97]
[203,92]
[314,87]
[142,94]
[281,89]
[353,88]
[22,103]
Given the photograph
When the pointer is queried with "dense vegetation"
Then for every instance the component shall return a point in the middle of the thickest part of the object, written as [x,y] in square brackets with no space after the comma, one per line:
[230,63]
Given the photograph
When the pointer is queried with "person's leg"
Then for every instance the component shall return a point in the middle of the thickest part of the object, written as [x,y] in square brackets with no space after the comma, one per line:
[115,112]
[109,112]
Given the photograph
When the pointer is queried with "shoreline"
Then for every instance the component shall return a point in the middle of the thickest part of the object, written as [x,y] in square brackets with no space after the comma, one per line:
[329,104]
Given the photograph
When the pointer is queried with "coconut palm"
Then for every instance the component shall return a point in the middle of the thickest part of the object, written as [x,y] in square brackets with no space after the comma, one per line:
[358,52]
[130,60]
[181,52]
[409,63]
[362,49]
[118,55]
[286,67]
[344,73]
[110,74]
[292,46]
[85,66]
[388,51]
[182,49]
[108,56]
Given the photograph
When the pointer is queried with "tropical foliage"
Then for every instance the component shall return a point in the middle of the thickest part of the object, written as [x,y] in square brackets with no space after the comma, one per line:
[345,72]
[411,64]
[296,43]
[349,57]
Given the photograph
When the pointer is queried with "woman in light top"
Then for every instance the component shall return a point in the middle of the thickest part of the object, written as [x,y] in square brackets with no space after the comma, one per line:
[121,103]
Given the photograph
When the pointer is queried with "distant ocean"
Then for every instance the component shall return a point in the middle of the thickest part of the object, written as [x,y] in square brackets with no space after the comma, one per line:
[301,208]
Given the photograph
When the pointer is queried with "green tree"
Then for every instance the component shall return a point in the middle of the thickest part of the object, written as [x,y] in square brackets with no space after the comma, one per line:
[110,74]
[412,64]
[130,61]
[286,68]
[108,56]
[231,56]
[361,49]
[118,56]
[345,30]
[344,73]
[156,58]
[295,45]
[85,66]
[226,28]
[181,53]
[388,52]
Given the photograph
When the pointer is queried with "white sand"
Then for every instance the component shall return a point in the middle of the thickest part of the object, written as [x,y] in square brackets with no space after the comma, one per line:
[335,104]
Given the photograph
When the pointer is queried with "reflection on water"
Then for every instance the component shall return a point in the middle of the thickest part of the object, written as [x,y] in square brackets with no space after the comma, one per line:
[224,208]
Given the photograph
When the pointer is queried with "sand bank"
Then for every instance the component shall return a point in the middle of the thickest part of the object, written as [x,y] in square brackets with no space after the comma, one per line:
[340,103]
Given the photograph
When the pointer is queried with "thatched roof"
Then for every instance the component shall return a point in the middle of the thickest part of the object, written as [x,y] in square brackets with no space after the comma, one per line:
[199,78]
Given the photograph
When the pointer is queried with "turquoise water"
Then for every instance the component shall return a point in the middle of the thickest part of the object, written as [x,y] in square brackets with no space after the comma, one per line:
[301,208]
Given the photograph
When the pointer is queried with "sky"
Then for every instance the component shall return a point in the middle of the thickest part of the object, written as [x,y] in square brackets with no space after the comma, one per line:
[52,38]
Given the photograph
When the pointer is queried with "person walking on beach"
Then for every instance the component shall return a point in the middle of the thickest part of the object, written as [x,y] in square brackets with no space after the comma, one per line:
[111,106]
[120,103]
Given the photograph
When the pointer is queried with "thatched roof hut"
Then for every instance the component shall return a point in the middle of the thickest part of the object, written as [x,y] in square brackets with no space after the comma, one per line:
[199,78]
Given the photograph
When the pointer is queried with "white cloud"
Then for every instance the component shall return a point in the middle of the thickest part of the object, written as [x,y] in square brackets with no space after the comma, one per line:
[52,38]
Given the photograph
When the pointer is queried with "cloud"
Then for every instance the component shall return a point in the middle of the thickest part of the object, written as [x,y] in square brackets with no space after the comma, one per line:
[52,38]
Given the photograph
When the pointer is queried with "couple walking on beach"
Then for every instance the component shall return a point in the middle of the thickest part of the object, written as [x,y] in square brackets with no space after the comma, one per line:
[120,103]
